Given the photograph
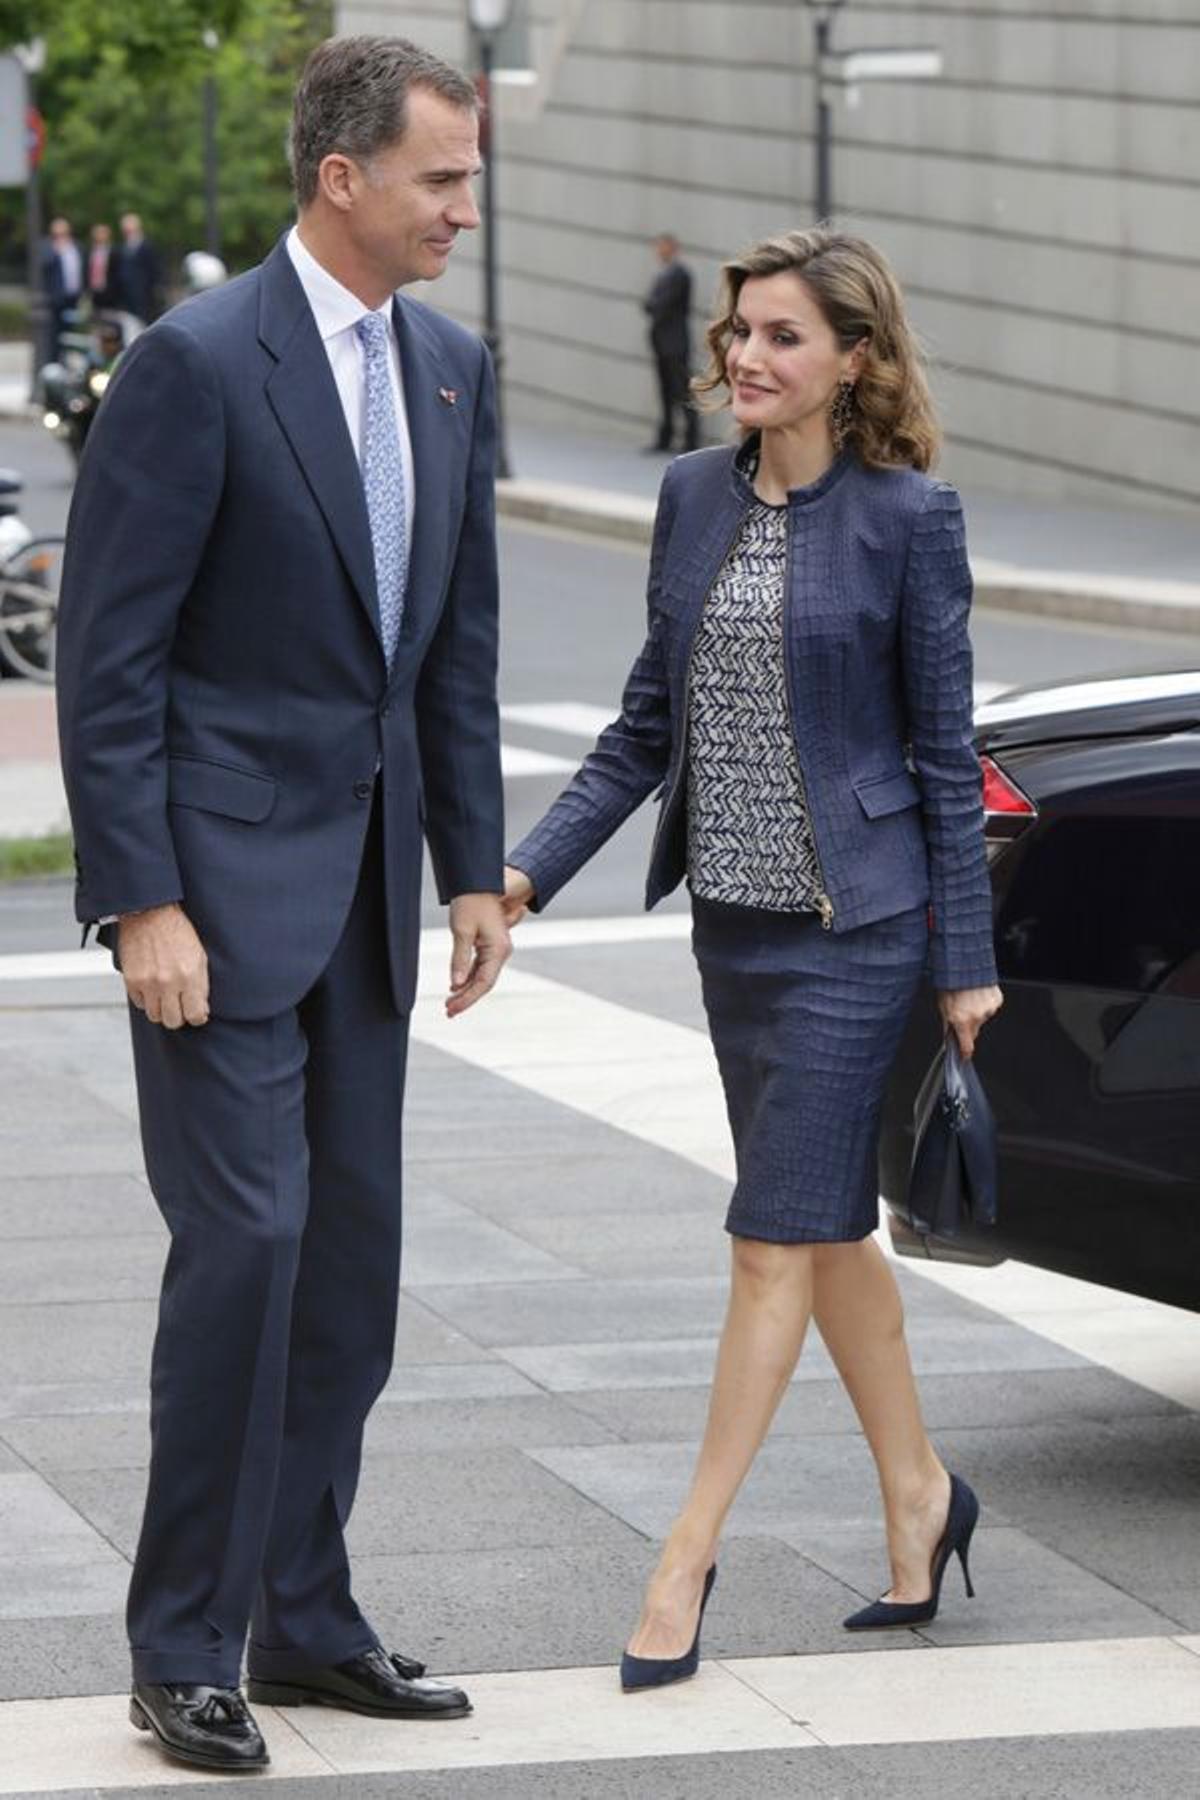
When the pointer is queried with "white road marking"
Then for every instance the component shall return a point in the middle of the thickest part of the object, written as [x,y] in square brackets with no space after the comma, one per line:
[573,718]
[516,762]
[525,1717]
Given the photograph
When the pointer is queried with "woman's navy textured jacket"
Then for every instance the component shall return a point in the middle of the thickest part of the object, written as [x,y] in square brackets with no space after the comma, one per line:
[879,680]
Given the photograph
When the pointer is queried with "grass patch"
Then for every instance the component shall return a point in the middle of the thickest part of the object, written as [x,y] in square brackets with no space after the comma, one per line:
[23,857]
[14,320]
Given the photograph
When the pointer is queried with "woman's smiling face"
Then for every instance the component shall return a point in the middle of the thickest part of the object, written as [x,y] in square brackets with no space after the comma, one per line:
[784,362]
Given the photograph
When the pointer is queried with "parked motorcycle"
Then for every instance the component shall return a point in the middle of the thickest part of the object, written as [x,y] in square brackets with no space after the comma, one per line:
[30,571]
[73,387]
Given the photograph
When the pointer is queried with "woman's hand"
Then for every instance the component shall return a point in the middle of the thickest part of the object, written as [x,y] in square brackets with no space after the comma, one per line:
[965,1011]
[518,892]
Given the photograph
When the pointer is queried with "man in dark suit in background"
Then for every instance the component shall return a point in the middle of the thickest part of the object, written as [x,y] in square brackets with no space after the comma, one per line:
[277,667]
[137,281]
[668,304]
[62,280]
[101,269]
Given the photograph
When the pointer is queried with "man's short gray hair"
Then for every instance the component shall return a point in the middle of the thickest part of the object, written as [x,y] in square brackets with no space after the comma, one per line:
[353,98]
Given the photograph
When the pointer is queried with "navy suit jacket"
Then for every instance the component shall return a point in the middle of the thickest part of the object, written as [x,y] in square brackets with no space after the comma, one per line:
[224,699]
[879,678]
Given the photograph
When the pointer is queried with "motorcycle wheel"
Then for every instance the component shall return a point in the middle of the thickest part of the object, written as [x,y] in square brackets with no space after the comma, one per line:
[29,584]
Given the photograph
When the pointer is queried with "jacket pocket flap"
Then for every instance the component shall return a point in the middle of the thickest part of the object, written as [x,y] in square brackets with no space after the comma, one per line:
[216,787]
[882,794]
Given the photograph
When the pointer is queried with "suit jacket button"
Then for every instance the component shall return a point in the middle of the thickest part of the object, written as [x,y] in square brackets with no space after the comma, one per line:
[362,790]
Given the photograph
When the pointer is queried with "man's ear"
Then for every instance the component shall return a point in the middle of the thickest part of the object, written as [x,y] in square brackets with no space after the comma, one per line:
[337,178]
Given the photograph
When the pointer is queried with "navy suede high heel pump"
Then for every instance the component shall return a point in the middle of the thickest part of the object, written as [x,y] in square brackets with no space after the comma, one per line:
[655,1671]
[955,1541]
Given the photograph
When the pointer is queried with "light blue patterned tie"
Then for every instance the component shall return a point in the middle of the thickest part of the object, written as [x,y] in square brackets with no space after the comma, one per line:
[383,479]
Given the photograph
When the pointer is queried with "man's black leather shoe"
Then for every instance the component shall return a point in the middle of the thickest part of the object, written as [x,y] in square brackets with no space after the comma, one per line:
[209,1726]
[374,1683]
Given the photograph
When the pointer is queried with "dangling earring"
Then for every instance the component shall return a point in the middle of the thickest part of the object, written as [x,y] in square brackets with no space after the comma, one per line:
[841,414]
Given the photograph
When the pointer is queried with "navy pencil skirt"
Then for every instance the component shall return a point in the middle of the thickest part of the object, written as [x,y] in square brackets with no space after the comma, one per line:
[805,1024]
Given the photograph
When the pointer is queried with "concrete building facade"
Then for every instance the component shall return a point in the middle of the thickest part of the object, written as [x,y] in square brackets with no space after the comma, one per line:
[1041,202]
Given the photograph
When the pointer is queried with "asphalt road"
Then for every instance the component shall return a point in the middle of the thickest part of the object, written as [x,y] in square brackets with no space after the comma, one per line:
[572,622]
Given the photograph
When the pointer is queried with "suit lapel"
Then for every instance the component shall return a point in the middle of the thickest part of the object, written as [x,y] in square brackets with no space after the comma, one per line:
[436,432]
[303,395]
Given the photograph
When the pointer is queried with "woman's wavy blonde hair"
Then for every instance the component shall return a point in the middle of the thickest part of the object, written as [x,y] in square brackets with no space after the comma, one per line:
[893,422]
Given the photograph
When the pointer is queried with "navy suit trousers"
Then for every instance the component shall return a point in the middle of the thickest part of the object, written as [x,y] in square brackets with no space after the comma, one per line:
[273,1149]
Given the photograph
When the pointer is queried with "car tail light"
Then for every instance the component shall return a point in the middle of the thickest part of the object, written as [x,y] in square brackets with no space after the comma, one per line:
[1006,810]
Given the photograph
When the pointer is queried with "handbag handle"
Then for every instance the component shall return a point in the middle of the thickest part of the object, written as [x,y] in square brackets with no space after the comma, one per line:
[955,1081]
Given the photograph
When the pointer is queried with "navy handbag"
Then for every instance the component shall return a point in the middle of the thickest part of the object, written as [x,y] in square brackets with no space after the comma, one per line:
[952,1181]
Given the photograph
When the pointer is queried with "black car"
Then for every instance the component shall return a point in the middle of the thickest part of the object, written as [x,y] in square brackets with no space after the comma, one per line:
[1092,797]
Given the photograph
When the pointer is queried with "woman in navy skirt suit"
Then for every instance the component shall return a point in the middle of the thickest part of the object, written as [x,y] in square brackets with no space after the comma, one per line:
[802,704]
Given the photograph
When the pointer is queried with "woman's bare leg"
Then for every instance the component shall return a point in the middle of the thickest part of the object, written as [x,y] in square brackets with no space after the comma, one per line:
[859,1313]
[770,1303]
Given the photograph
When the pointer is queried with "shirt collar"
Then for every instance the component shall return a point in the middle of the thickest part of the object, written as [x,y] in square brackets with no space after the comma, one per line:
[334,307]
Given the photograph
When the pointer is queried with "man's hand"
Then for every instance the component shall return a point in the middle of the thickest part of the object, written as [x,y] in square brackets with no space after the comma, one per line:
[481,948]
[965,1011]
[518,892]
[164,966]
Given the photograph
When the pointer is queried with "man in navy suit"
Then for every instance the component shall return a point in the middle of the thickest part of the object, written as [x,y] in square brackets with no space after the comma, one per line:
[62,280]
[277,667]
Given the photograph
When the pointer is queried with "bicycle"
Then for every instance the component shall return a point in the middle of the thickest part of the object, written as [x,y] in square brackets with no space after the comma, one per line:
[30,576]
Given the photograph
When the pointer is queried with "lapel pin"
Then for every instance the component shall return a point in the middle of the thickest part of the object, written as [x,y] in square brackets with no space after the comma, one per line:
[448,396]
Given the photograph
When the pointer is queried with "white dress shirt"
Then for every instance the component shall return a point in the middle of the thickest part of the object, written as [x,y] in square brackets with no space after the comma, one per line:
[337,311]
[70,262]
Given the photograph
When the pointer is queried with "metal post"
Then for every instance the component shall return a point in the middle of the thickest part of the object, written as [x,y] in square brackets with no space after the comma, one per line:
[823,23]
[491,304]
[39,312]
[212,222]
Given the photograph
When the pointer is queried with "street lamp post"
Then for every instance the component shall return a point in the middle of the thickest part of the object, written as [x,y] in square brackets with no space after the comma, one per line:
[488,18]
[823,11]
[32,58]
[212,215]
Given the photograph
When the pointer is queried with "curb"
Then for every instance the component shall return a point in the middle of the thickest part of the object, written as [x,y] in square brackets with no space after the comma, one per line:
[1158,606]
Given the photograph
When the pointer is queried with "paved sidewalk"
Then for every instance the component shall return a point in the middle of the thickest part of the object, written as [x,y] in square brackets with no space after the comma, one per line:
[564,1284]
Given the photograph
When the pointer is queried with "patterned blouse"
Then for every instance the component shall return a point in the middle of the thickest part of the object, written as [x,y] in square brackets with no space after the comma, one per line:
[749,838]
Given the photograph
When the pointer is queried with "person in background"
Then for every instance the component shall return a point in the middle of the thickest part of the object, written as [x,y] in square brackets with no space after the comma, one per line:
[138,280]
[62,281]
[668,305]
[101,269]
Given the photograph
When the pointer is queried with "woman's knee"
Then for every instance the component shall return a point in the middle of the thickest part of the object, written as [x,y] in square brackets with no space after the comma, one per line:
[769,1267]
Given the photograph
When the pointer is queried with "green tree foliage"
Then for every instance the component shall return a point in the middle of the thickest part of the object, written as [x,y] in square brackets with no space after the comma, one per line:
[122,93]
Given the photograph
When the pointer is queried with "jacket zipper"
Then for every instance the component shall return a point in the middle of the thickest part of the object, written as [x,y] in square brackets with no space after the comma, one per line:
[681,769]
[821,898]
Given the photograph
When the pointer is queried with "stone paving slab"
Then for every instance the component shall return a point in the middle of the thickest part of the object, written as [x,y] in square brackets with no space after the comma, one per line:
[52,1344]
[609,1178]
[64,1206]
[575,1603]
[86,1440]
[445,1241]
[85,1267]
[947,1401]
[686,1243]
[1151,1551]
[1024,1590]
[939,1346]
